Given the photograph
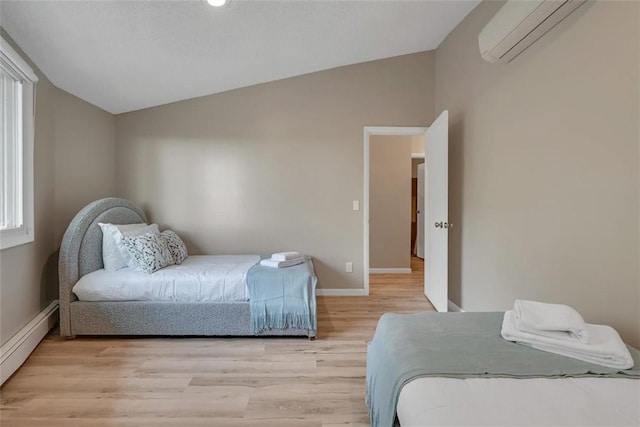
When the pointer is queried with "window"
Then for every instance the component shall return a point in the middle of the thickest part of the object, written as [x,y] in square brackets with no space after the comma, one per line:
[17,93]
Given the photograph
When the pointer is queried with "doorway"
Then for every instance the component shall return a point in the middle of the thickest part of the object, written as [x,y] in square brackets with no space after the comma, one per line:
[437,225]
[369,134]
[391,205]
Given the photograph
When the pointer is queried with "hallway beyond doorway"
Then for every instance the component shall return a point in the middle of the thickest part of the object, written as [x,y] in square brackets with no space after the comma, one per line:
[409,286]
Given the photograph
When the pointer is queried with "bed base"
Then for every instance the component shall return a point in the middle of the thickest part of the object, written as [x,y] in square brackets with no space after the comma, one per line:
[167,318]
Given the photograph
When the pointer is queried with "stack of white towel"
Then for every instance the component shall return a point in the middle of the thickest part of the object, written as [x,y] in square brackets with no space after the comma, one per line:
[283,259]
[560,329]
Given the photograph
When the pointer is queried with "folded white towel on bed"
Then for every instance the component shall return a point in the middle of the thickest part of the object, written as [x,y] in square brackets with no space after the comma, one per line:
[286,256]
[557,321]
[281,264]
[606,348]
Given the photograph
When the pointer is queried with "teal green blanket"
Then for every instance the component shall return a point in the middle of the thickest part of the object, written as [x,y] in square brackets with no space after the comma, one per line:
[457,345]
[281,298]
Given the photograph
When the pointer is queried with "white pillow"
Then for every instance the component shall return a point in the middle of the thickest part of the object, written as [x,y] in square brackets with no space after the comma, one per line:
[114,255]
[111,256]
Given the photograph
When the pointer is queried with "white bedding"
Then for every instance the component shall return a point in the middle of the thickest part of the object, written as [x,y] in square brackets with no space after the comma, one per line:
[200,278]
[519,402]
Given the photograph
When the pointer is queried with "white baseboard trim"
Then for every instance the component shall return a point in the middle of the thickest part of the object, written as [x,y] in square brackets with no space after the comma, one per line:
[341,292]
[16,351]
[454,308]
[390,271]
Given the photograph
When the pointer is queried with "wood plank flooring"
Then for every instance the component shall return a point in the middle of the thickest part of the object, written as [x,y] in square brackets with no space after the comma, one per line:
[184,382]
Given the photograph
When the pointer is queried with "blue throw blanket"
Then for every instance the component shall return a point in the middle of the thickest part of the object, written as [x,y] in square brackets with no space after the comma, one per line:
[457,345]
[281,298]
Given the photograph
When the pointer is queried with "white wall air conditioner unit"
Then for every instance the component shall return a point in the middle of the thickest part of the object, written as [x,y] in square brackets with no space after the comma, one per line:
[520,23]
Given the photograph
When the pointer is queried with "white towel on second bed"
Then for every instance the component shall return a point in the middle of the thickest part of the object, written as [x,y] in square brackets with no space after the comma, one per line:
[551,320]
[605,348]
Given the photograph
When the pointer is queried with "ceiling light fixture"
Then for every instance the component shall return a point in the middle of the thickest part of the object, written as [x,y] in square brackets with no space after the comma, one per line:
[217,3]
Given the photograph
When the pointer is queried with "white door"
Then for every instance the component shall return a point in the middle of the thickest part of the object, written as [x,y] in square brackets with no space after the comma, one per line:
[436,283]
[421,213]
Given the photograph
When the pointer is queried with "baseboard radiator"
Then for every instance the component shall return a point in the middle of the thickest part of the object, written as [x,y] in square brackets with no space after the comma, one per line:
[16,351]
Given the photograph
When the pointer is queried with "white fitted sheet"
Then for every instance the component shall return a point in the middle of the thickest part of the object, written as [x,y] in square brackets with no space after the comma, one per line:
[200,278]
[435,401]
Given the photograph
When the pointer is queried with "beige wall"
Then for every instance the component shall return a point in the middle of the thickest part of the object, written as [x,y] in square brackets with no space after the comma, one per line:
[84,157]
[417,144]
[390,201]
[274,166]
[64,124]
[544,166]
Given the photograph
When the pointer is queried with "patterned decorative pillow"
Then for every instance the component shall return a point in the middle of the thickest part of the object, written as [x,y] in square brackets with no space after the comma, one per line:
[176,246]
[149,251]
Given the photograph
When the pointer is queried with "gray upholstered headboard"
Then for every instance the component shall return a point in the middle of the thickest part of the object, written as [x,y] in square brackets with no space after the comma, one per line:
[81,248]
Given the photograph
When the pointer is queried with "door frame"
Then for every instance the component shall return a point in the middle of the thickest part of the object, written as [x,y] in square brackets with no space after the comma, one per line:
[368,132]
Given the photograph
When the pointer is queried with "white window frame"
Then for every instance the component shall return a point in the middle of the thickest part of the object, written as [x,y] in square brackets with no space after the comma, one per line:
[25,233]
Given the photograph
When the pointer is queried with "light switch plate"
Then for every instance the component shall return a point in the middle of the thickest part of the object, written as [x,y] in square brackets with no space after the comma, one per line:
[349,267]
[356,205]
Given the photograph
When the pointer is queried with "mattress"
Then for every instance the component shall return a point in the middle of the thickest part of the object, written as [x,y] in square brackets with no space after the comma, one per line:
[200,278]
[437,401]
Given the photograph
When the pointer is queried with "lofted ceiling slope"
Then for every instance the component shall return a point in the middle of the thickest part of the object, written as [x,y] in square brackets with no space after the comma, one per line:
[128,55]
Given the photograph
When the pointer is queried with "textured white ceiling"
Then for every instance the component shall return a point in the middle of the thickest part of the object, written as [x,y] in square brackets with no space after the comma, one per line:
[128,55]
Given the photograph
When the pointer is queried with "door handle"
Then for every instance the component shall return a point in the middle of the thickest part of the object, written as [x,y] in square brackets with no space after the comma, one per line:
[448,225]
[439,224]
[442,224]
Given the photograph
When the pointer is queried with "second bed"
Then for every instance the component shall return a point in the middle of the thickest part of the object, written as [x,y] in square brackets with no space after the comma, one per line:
[438,369]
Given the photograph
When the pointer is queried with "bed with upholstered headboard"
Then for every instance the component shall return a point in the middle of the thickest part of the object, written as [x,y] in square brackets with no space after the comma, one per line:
[81,254]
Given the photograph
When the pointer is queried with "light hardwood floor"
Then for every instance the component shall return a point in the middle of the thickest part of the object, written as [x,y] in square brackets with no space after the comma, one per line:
[184,382]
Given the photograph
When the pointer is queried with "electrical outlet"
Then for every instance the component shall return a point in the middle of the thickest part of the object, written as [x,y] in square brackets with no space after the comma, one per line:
[349,267]
[356,205]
